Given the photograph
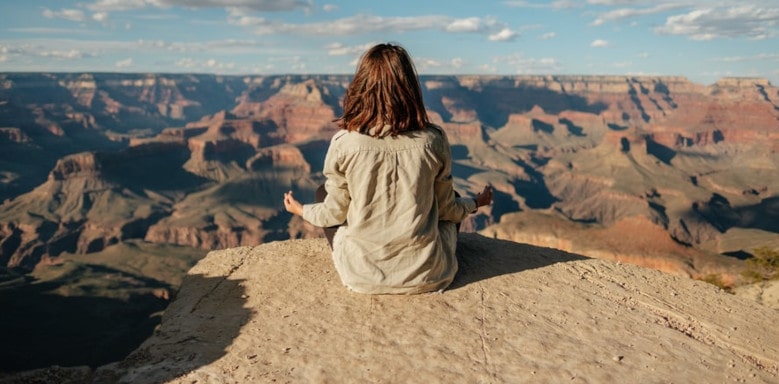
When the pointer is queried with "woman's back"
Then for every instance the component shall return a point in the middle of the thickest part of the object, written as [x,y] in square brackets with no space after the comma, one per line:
[390,241]
[389,185]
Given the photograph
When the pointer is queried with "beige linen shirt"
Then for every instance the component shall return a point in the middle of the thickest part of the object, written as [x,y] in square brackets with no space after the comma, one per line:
[393,199]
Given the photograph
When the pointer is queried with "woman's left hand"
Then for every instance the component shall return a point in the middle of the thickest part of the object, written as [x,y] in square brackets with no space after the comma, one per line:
[291,205]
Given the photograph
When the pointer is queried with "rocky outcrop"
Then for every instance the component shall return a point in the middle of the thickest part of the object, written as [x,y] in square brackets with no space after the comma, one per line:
[515,313]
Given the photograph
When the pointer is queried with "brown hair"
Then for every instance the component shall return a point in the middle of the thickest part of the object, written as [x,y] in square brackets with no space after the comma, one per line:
[385,91]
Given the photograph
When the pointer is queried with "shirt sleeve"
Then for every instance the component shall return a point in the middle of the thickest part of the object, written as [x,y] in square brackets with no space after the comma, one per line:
[332,211]
[450,208]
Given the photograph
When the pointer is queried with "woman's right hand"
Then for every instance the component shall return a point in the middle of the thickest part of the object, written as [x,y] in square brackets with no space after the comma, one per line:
[485,197]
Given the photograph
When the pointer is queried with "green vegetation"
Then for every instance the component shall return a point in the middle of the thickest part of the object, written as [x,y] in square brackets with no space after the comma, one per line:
[716,279]
[763,266]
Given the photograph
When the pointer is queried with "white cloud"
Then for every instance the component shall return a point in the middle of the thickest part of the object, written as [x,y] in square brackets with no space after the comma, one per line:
[599,43]
[76,15]
[457,63]
[505,34]
[214,64]
[338,49]
[70,54]
[191,64]
[157,44]
[116,5]
[186,63]
[100,17]
[548,36]
[742,21]
[626,13]
[128,62]
[329,7]
[53,31]
[757,57]
[361,23]
[254,5]
[559,4]
[426,64]
[524,65]
[345,26]
[697,19]
[471,24]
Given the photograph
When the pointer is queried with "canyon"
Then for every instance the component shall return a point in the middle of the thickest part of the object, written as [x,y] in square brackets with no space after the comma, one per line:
[658,172]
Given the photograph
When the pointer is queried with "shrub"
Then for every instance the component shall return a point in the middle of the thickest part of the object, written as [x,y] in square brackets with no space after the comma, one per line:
[763,265]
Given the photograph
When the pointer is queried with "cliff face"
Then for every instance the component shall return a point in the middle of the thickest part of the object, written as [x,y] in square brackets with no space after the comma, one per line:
[202,160]
[515,313]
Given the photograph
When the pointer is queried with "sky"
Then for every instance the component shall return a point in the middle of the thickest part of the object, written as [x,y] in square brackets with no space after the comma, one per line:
[702,40]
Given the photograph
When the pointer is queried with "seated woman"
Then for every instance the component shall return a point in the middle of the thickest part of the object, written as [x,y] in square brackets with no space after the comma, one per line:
[389,185]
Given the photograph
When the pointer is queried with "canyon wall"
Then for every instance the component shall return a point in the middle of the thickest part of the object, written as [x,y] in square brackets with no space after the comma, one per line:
[88,161]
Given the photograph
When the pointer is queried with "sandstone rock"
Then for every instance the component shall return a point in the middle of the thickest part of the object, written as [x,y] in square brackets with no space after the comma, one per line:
[515,313]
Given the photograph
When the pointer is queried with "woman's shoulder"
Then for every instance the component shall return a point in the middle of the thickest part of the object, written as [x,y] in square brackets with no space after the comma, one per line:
[437,134]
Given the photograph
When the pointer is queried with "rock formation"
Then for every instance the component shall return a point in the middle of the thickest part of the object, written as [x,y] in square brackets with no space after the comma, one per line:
[515,313]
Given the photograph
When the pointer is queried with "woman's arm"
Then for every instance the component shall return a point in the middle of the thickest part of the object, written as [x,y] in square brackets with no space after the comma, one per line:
[451,208]
[332,211]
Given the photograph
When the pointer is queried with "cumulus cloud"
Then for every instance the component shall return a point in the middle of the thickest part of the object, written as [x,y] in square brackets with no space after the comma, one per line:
[548,36]
[505,34]
[599,43]
[100,17]
[329,7]
[471,24]
[698,20]
[741,21]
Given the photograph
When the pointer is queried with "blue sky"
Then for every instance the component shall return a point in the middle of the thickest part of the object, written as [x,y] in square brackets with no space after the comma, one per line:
[703,40]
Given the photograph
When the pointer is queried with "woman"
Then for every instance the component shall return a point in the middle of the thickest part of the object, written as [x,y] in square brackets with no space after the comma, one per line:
[389,185]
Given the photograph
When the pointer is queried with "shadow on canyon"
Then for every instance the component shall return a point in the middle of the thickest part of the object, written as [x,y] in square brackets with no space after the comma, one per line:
[719,213]
[57,322]
[496,103]
[44,329]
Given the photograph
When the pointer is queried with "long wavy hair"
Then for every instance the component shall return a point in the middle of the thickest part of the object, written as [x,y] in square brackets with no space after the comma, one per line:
[385,94]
